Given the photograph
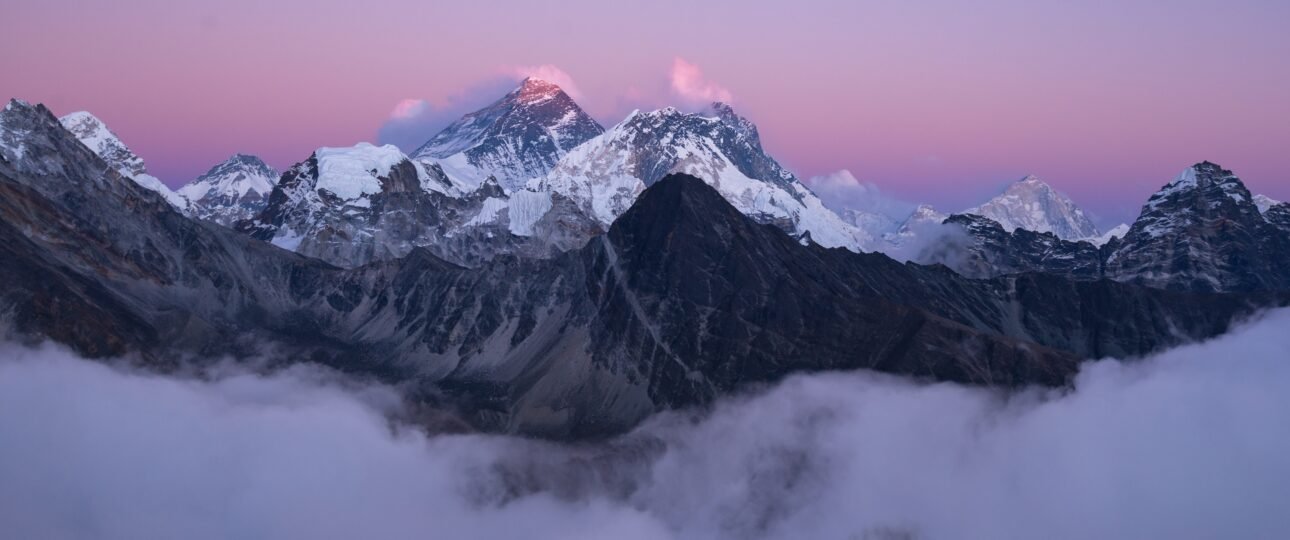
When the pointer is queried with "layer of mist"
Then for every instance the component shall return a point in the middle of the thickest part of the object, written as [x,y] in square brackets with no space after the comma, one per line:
[1191,443]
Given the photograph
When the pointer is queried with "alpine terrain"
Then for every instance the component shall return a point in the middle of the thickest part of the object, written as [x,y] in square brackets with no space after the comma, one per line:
[684,298]
[518,137]
[232,191]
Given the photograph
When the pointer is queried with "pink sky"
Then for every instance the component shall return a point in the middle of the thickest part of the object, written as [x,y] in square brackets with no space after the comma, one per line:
[935,101]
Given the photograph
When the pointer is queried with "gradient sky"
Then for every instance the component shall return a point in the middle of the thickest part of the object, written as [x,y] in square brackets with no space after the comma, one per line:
[935,101]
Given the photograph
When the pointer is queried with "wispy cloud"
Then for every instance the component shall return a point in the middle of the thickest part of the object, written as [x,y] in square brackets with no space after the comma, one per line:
[409,109]
[841,190]
[690,84]
[411,122]
[548,73]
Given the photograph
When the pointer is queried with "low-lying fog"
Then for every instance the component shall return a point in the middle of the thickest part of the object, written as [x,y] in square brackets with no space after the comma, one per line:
[1193,443]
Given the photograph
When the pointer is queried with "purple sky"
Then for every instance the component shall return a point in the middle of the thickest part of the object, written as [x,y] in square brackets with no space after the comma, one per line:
[936,101]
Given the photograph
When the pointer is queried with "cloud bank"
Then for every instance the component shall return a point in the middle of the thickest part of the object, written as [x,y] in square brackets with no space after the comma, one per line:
[841,190]
[1188,444]
[413,121]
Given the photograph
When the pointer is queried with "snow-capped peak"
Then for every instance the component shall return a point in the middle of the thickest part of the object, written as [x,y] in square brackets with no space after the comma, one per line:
[95,135]
[516,138]
[1198,176]
[605,175]
[236,189]
[1031,204]
[1264,202]
[533,90]
[354,172]
[1116,232]
[236,177]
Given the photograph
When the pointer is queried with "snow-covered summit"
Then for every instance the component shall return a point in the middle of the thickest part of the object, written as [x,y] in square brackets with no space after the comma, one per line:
[95,135]
[354,172]
[518,137]
[605,175]
[1031,204]
[1264,202]
[233,190]
[1202,231]
[237,176]
[1116,232]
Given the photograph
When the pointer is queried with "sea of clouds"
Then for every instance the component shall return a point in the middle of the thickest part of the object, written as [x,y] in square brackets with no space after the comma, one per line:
[1192,443]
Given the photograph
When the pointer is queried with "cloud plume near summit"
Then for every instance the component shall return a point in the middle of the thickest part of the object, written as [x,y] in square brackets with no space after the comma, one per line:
[1190,443]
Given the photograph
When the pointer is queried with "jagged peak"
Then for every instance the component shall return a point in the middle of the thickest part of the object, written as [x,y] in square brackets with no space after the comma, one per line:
[80,116]
[1199,175]
[240,163]
[687,199]
[534,90]
[925,210]
[15,103]
[1264,202]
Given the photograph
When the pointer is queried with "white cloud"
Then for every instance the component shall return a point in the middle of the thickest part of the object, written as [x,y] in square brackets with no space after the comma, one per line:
[841,190]
[1188,444]
[408,109]
[548,73]
[689,83]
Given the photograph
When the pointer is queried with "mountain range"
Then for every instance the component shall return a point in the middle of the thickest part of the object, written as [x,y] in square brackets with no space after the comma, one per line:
[529,271]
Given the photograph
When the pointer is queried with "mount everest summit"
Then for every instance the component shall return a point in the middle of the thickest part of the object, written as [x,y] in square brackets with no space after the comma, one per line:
[519,137]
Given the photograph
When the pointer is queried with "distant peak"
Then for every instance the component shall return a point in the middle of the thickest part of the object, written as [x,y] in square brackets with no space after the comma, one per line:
[925,209]
[246,159]
[534,89]
[1030,179]
[16,103]
[82,119]
[721,107]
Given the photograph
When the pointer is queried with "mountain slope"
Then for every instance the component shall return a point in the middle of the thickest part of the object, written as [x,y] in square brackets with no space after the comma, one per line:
[353,206]
[1203,232]
[1264,202]
[97,137]
[518,137]
[684,299]
[1035,206]
[232,191]
[605,175]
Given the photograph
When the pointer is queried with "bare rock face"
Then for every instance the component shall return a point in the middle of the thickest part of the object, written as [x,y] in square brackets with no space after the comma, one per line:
[994,251]
[1278,216]
[682,300]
